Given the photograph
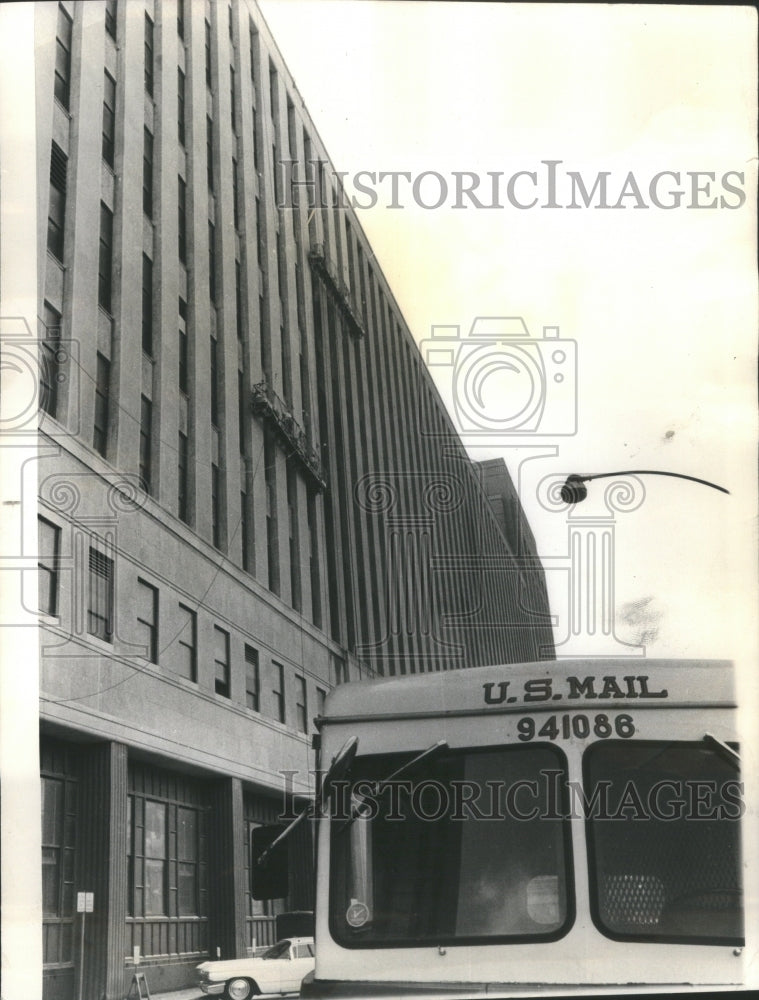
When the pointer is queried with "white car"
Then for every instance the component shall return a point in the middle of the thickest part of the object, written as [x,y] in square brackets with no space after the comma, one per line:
[279,969]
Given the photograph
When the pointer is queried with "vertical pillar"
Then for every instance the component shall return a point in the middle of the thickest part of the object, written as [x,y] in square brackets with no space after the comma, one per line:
[227,872]
[102,870]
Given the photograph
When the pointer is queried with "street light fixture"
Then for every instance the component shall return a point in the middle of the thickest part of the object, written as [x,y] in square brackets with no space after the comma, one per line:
[575,491]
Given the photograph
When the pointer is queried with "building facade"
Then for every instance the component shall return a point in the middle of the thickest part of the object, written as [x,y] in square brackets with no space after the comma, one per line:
[243,496]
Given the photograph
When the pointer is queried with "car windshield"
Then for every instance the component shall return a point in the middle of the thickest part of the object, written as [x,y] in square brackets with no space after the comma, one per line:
[279,950]
[663,839]
[469,846]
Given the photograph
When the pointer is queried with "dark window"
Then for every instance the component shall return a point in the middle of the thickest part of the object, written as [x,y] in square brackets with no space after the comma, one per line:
[57,208]
[58,807]
[271,513]
[209,151]
[399,879]
[214,382]
[301,705]
[105,258]
[321,697]
[110,18]
[235,195]
[102,396]
[294,538]
[109,117]
[49,537]
[180,18]
[188,643]
[180,106]
[182,220]
[208,53]
[671,869]
[278,690]
[245,522]
[146,420]
[147,173]
[259,233]
[313,549]
[50,361]
[147,305]
[253,33]
[231,28]
[183,362]
[216,505]
[187,862]
[252,679]
[147,619]
[63,58]
[255,139]
[241,410]
[149,55]
[212,262]
[100,610]
[232,98]
[183,469]
[221,661]
[238,298]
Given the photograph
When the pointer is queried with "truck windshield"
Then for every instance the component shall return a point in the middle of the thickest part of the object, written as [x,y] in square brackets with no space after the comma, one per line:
[473,845]
[663,839]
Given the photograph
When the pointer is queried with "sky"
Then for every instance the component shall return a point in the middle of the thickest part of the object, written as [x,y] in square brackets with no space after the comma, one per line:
[656,304]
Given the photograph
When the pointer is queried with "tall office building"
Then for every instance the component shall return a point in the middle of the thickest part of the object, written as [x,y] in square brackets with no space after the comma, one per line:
[249,488]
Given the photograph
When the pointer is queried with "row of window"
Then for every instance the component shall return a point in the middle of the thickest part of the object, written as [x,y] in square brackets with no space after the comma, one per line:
[184,628]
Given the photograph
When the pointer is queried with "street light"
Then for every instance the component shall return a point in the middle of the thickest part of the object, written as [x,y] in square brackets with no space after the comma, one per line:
[575,491]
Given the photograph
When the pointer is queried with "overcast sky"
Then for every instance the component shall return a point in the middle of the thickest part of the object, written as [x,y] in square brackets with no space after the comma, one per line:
[659,302]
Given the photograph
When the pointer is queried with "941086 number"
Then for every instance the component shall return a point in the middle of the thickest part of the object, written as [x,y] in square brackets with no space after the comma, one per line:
[565,727]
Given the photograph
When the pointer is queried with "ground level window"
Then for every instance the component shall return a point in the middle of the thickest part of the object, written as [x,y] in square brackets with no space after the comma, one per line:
[663,841]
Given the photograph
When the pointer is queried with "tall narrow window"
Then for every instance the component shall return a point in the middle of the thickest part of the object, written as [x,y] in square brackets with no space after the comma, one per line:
[105,258]
[235,195]
[241,411]
[292,511]
[100,610]
[146,420]
[63,58]
[110,18]
[50,361]
[102,394]
[340,670]
[147,305]
[216,505]
[147,173]
[321,697]
[188,882]
[187,640]
[245,521]
[259,234]
[184,369]
[252,679]
[209,151]
[301,704]
[278,690]
[221,661]
[208,53]
[182,220]
[271,513]
[214,382]
[182,477]
[147,619]
[155,859]
[181,97]
[180,18]
[212,262]
[255,139]
[149,55]
[49,536]
[238,298]
[57,208]
[109,117]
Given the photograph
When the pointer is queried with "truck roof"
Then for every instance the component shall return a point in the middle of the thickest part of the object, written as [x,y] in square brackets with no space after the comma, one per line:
[565,683]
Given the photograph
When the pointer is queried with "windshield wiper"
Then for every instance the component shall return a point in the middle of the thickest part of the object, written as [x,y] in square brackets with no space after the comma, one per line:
[733,757]
[357,803]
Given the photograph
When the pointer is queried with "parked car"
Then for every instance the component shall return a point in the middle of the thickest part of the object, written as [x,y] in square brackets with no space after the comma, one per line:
[279,969]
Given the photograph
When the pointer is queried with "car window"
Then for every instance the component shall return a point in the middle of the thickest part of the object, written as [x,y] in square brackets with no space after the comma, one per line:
[279,950]
[303,951]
